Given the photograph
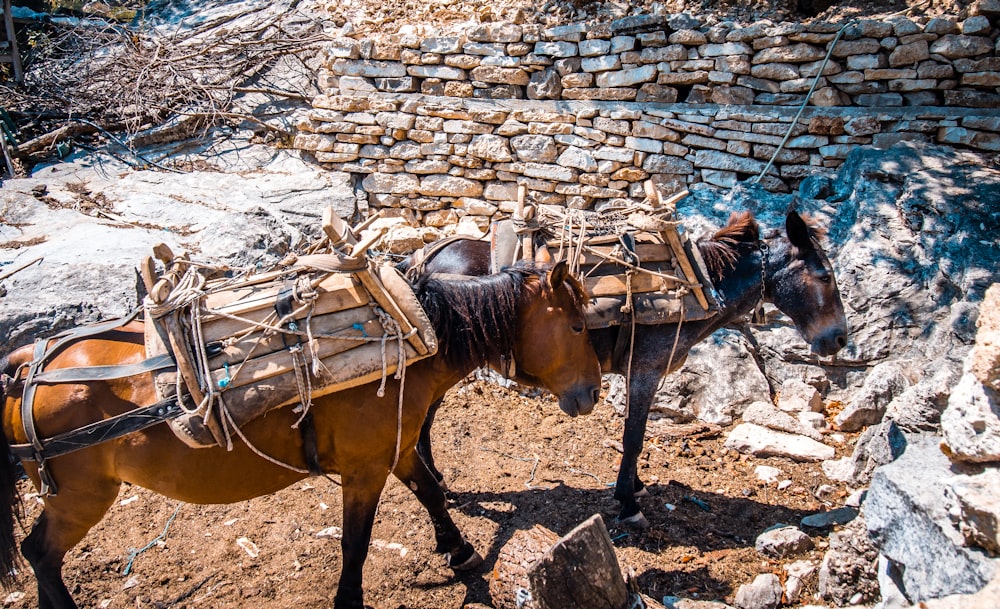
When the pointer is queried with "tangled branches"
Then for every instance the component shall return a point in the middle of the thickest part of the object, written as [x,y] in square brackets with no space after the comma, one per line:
[88,75]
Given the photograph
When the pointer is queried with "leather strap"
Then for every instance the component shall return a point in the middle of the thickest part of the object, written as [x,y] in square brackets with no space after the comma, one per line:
[310,449]
[43,351]
[103,373]
[95,433]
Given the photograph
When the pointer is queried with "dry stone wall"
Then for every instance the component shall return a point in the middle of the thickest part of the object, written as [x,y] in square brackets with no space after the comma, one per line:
[443,127]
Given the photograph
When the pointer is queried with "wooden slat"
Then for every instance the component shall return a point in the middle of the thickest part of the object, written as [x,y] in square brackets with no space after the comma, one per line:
[379,295]
[279,362]
[647,252]
[675,243]
[613,285]
[348,297]
[241,299]
[340,323]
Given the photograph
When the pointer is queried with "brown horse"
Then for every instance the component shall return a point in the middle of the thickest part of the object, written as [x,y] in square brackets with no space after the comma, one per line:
[789,270]
[529,314]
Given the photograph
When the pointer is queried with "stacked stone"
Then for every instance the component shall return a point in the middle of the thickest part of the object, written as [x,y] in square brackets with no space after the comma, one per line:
[438,127]
[445,159]
[651,58]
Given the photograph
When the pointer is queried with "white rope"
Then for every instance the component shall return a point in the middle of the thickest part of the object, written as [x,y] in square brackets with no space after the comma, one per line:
[257,451]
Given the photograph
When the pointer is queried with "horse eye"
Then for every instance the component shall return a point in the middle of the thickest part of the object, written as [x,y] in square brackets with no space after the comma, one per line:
[577,329]
[825,278]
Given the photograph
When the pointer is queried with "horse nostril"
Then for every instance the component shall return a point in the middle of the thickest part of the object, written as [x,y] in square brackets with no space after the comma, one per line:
[841,341]
[596,395]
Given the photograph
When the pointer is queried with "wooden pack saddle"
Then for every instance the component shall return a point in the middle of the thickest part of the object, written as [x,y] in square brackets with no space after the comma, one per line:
[635,263]
[318,324]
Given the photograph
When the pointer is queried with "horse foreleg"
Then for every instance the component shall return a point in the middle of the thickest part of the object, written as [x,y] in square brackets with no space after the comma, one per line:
[424,442]
[361,490]
[63,523]
[628,487]
[415,474]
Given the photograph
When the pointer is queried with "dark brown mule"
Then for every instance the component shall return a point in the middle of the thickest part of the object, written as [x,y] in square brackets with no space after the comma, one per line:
[529,314]
[789,270]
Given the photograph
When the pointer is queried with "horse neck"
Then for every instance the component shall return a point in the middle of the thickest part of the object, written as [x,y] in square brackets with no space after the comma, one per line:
[741,286]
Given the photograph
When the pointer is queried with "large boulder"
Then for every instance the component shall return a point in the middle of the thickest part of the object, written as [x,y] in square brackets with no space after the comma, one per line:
[87,226]
[910,524]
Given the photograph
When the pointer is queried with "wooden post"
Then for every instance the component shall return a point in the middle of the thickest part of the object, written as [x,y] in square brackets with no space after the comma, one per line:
[525,249]
[509,582]
[557,580]
[674,240]
[538,570]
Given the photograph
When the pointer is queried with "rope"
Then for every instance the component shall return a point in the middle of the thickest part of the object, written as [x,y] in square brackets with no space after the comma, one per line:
[390,325]
[812,88]
[135,553]
[257,451]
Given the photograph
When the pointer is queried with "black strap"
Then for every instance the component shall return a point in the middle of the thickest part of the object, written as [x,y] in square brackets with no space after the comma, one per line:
[101,431]
[310,449]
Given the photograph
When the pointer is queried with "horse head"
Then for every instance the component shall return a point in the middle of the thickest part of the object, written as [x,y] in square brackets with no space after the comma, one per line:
[799,280]
[552,334]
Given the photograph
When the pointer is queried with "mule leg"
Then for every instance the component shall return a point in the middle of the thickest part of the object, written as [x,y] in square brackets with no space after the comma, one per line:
[415,474]
[628,486]
[65,520]
[424,442]
[361,489]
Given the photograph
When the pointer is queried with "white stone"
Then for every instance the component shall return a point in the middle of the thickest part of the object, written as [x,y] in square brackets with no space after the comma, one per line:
[766,473]
[798,396]
[763,442]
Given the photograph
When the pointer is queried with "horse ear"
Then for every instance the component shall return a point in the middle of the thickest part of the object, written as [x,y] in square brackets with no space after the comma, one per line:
[559,274]
[798,231]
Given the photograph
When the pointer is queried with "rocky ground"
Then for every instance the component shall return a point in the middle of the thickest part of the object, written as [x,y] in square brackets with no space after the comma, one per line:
[510,462]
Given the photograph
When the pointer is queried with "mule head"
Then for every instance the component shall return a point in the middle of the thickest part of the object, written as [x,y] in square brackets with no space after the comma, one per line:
[553,348]
[799,280]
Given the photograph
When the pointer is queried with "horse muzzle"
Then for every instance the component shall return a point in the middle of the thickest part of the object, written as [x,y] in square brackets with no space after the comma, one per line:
[829,342]
[579,401]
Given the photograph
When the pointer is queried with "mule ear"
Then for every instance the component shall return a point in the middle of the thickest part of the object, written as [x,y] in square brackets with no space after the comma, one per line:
[559,274]
[798,231]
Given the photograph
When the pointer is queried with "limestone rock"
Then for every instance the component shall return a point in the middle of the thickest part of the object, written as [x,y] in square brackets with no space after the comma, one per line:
[971,422]
[798,396]
[876,446]
[910,524]
[884,382]
[976,498]
[764,414]
[763,442]
[849,566]
[763,593]
[782,541]
[985,364]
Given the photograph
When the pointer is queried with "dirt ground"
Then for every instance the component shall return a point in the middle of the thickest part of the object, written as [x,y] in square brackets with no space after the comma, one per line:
[511,462]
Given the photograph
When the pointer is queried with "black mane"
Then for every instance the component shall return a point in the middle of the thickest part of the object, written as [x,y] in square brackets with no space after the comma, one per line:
[474,318]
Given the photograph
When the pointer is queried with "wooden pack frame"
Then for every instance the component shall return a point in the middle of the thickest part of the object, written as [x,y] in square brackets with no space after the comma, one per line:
[320,323]
[643,267]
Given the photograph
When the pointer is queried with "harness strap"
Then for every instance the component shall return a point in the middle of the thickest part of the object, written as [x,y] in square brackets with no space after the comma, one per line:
[310,449]
[81,332]
[95,433]
[41,354]
[83,374]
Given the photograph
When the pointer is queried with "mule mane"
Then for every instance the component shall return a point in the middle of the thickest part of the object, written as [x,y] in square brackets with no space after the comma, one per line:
[721,251]
[475,318]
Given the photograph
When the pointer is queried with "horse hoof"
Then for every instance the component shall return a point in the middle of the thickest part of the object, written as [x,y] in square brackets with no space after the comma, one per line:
[637,520]
[464,559]
[643,492]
